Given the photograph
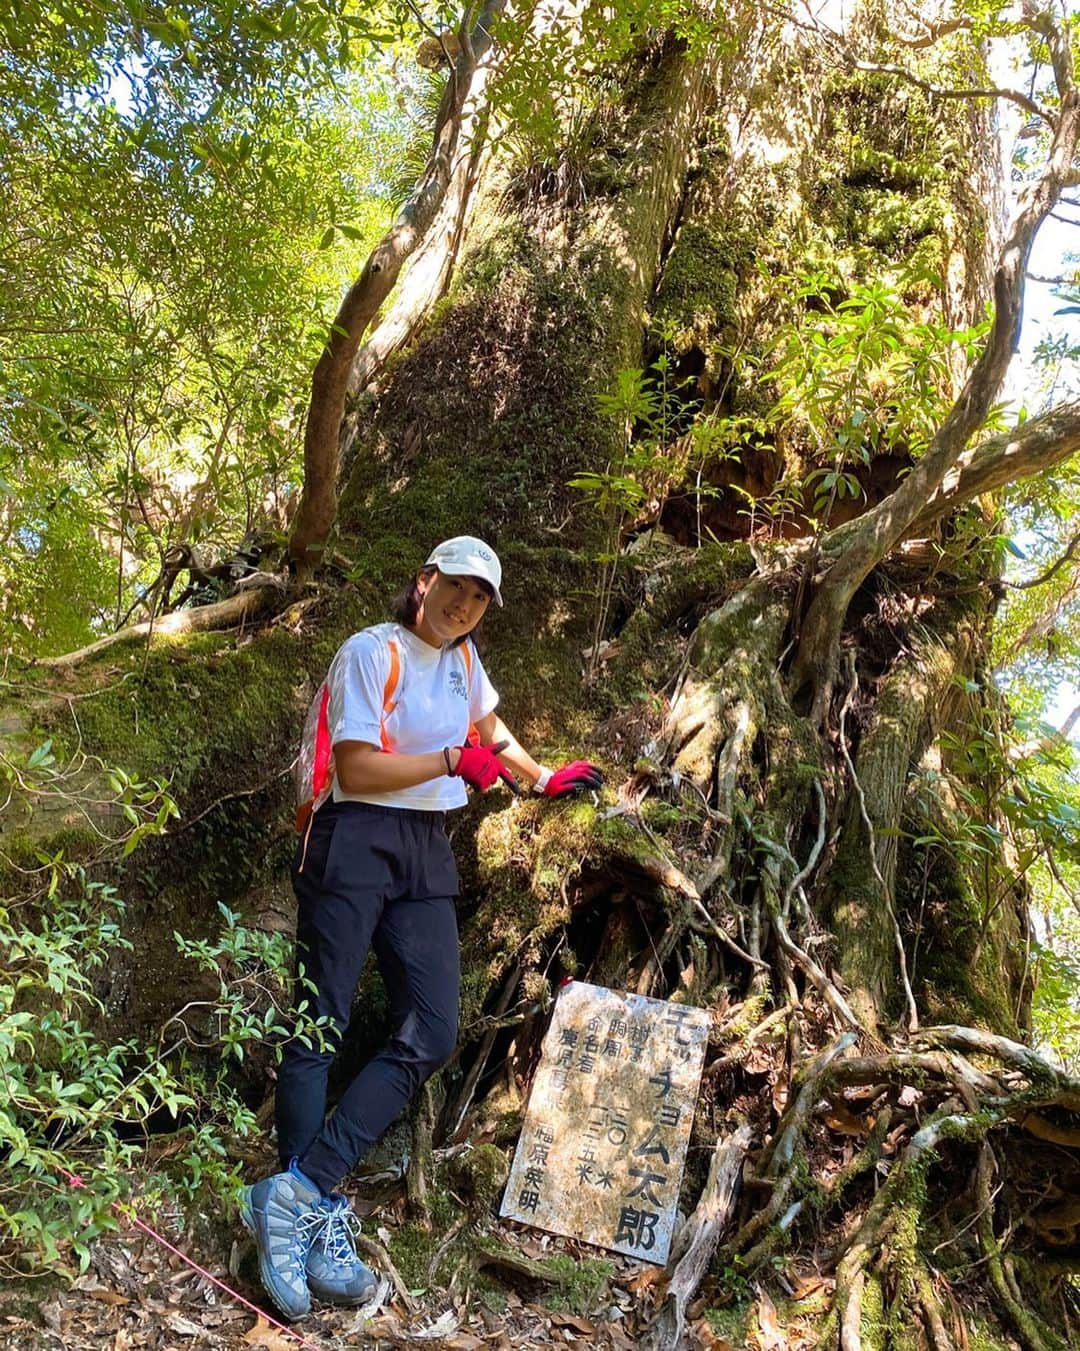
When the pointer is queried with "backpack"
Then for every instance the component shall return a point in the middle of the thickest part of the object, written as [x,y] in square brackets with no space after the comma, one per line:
[313,772]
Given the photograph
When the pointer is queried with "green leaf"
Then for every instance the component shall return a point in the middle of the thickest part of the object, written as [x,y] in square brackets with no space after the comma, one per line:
[41,756]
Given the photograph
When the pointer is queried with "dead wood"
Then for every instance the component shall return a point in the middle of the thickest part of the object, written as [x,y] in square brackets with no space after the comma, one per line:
[700,1238]
[248,604]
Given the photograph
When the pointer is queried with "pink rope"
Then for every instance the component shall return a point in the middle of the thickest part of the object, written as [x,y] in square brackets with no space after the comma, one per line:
[74,1180]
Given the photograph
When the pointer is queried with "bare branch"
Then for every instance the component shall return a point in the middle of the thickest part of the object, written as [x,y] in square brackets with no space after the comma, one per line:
[933,32]
[1044,623]
[1054,567]
[942,92]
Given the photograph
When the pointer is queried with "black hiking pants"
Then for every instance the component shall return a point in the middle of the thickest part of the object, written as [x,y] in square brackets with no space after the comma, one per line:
[381,877]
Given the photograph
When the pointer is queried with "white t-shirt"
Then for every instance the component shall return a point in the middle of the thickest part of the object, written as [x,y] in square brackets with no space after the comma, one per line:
[435,703]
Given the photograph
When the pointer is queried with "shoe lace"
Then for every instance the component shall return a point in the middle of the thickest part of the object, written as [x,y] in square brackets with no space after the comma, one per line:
[308,1228]
[338,1237]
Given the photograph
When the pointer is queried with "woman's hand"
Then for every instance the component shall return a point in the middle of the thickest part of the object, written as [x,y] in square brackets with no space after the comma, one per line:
[577,777]
[479,767]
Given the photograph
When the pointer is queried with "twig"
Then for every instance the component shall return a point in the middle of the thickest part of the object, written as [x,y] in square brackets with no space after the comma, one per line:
[1070,549]
[939,91]
[726,938]
[229,797]
[370,1247]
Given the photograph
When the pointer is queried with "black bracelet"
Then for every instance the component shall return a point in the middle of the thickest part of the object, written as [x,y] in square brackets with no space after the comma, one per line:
[446,757]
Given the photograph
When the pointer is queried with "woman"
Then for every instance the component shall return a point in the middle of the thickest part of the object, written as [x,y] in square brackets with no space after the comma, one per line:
[410,715]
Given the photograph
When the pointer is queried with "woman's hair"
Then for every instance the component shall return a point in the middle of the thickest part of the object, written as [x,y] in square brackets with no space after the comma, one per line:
[406,604]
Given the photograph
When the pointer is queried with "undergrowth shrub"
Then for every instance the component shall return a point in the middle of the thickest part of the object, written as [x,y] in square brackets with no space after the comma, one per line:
[78,1101]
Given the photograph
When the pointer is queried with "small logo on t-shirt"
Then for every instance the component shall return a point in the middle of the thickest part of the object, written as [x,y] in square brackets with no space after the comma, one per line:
[457,684]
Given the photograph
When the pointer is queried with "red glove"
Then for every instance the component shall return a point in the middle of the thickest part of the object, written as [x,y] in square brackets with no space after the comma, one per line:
[478,766]
[573,778]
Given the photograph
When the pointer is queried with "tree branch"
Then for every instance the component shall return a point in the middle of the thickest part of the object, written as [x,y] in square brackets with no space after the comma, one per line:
[429,271]
[1054,567]
[941,92]
[318,504]
[225,614]
[1032,448]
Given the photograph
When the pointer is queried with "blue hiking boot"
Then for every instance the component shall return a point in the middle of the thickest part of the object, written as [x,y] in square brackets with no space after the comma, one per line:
[334,1272]
[284,1213]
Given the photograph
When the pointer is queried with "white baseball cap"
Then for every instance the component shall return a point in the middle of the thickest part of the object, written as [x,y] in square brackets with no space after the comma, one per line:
[467,556]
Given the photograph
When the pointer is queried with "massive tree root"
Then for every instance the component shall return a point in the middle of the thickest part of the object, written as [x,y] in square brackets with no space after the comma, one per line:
[899,1165]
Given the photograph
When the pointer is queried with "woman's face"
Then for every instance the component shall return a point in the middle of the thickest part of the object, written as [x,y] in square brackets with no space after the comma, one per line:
[451,606]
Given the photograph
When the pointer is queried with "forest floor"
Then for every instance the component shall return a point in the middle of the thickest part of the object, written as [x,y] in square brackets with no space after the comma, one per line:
[136,1294]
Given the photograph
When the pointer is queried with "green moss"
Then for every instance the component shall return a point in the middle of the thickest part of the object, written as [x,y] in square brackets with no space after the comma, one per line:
[580,1283]
[701,281]
[491,1293]
[895,188]
[198,701]
[22,850]
[662,816]
[478,1177]
[752,1011]
[649,645]
[411,1249]
[501,432]
[576,1284]
[526,854]
[982,1335]
[872,1323]
[732,1322]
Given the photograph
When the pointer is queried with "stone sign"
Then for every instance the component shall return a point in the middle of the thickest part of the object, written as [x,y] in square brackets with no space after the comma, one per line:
[604,1138]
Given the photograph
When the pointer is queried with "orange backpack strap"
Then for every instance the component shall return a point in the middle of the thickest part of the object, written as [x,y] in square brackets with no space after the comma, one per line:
[389,703]
[472,737]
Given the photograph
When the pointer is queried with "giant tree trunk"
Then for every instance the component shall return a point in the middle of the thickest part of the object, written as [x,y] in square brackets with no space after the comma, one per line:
[807,878]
